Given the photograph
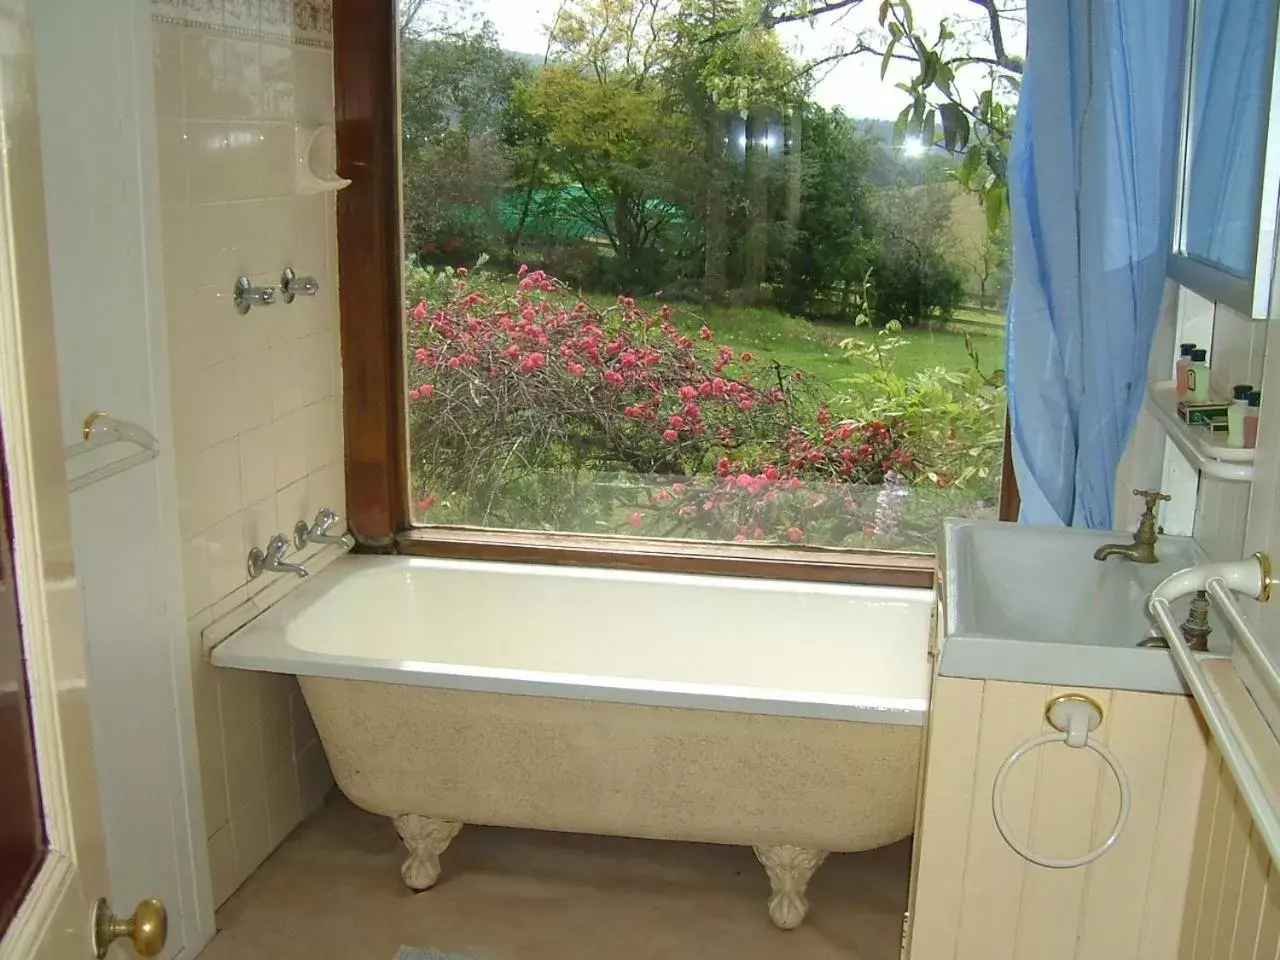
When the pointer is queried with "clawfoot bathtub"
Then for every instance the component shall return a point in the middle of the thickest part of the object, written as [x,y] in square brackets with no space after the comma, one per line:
[781,716]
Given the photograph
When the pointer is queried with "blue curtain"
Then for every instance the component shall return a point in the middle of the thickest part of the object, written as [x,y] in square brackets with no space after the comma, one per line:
[1091,189]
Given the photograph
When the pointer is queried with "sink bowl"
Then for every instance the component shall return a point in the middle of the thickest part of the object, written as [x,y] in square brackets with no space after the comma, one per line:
[1031,604]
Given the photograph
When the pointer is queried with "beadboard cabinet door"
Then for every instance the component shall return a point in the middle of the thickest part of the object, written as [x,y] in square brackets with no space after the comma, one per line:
[973,898]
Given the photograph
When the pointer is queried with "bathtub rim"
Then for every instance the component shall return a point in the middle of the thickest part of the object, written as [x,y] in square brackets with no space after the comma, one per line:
[262,644]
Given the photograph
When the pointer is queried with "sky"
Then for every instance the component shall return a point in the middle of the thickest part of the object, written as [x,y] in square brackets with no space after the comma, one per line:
[853,83]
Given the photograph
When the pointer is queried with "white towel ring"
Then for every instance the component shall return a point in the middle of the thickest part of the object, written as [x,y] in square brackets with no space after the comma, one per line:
[1075,715]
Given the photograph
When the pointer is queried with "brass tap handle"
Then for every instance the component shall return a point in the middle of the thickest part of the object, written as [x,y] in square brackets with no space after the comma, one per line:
[1153,498]
[147,929]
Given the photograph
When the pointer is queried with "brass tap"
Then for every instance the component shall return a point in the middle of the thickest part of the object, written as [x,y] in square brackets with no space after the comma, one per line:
[1195,629]
[1143,548]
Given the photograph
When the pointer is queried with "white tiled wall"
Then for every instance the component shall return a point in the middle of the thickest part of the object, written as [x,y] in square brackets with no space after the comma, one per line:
[256,398]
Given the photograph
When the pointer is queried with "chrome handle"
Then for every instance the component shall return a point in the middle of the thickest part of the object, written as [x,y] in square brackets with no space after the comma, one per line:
[247,295]
[147,928]
[318,532]
[292,285]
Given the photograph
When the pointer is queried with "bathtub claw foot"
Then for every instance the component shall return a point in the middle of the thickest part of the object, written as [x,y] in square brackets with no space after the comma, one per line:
[790,869]
[425,838]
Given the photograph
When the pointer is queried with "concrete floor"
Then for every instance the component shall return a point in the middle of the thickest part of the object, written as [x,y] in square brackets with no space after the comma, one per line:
[332,891]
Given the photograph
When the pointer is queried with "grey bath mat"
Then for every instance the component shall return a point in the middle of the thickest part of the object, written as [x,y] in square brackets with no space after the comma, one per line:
[417,953]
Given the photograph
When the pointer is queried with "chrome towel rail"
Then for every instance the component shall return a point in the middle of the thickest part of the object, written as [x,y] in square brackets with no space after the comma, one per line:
[102,430]
[1251,577]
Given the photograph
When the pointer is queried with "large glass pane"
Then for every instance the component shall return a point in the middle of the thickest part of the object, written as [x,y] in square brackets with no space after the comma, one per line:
[1232,49]
[667,282]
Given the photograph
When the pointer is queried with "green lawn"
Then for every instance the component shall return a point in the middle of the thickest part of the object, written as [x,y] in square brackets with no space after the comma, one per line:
[814,346]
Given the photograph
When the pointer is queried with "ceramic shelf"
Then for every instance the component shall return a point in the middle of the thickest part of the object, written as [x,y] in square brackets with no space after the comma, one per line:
[1204,448]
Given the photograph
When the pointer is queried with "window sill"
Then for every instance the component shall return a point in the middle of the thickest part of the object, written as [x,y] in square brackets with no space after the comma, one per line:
[888,569]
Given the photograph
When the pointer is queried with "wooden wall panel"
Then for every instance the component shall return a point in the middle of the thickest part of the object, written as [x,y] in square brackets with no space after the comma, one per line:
[1233,899]
[975,899]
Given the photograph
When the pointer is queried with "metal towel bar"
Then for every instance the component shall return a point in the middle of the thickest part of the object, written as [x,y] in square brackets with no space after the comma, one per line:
[1235,754]
[101,430]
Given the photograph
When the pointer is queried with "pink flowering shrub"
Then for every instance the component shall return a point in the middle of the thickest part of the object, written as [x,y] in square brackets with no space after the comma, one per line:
[529,408]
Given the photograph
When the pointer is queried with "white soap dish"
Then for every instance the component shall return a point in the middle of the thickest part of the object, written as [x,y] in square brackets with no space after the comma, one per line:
[316,155]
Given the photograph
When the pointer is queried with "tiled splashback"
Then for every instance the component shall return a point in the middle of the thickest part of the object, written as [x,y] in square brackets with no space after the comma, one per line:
[256,398]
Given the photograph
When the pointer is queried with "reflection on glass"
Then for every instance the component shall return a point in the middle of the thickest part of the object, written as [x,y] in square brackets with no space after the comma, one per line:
[1230,80]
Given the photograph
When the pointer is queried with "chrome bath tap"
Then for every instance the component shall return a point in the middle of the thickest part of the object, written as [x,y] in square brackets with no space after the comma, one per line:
[1143,547]
[272,559]
[318,532]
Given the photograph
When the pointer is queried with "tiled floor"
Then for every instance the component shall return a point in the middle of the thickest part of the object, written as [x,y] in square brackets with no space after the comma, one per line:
[333,892]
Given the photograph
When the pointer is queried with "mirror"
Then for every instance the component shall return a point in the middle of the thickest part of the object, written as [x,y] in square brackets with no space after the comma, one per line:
[1231,50]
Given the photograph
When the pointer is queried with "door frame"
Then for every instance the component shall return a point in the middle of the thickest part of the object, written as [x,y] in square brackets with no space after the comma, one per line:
[73,873]
[119,117]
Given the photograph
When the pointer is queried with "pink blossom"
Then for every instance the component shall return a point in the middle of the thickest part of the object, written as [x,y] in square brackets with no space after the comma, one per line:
[462,271]
[524,268]
[704,332]
[415,394]
[427,502]
[670,436]
[771,472]
[421,355]
[575,369]
[613,378]
[426,390]
[678,487]
[635,519]
[687,392]
[795,534]
[676,421]
[747,358]
[745,405]
[420,312]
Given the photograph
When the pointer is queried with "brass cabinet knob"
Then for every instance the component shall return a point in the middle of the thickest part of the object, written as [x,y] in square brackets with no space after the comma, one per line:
[147,929]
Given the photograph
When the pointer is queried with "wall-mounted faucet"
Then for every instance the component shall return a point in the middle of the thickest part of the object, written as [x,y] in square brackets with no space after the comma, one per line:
[292,285]
[272,559]
[247,295]
[1143,548]
[318,532]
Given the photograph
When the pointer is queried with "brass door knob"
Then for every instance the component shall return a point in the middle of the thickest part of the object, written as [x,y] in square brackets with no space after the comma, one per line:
[147,929]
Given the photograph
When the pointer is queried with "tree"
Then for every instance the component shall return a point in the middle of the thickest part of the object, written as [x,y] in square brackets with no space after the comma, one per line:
[832,249]
[455,88]
[965,87]
[989,258]
[613,140]
[913,278]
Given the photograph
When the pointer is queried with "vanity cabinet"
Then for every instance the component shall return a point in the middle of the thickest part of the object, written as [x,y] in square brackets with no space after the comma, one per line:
[973,898]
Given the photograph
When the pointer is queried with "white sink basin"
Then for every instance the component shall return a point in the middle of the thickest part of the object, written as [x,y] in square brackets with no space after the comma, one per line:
[1031,604]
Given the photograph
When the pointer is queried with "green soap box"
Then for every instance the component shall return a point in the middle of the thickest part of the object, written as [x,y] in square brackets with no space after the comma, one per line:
[1204,412]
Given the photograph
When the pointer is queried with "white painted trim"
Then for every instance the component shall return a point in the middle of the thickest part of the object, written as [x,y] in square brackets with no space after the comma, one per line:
[30,925]
[198,908]
[55,882]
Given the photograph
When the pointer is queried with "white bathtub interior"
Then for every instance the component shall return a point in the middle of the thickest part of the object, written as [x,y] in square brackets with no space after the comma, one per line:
[836,651]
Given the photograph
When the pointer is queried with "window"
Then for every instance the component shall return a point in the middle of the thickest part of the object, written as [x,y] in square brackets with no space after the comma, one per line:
[640,278]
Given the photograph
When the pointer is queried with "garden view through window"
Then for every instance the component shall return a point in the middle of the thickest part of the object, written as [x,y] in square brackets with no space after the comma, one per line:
[707,269]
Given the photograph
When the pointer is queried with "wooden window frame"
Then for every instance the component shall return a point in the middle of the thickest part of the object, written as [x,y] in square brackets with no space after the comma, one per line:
[370,262]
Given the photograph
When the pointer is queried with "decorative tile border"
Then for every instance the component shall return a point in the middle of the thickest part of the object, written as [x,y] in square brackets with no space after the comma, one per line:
[307,23]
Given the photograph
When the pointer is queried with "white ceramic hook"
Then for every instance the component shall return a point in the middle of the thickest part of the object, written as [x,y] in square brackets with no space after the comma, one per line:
[1075,715]
[316,162]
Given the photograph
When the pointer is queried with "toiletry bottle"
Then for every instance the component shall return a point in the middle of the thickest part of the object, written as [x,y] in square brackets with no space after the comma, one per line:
[1237,412]
[1180,371]
[1198,376]
[1251,420]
